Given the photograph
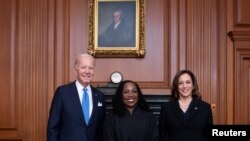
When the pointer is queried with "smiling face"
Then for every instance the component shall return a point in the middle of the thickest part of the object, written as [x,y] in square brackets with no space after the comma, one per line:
[130,96]
[185,86]
[84,68]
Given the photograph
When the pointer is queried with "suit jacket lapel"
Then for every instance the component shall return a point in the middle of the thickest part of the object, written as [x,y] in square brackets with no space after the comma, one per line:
[178,112]
[95,102]
[195,107]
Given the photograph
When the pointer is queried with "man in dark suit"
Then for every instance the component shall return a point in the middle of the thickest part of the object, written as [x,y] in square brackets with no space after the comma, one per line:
[119,34]
[67,120]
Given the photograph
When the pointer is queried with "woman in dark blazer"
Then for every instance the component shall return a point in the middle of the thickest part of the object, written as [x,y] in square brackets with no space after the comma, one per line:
[186,117]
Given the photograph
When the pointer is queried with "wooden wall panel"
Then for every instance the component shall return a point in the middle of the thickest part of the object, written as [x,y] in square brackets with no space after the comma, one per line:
[238,60]
[201,47]
[32,65]
[241,16]
[241,45]
[9,106]
[8,71]
[24,71]
[242,82]
[219,93]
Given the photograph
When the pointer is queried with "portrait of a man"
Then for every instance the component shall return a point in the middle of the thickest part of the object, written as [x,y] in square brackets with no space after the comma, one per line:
[116,24]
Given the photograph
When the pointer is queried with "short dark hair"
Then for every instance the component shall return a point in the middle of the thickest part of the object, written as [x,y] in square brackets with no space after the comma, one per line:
[174,90]
[119,107]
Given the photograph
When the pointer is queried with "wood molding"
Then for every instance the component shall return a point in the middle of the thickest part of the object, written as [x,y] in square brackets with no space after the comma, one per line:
[242,75]
[9,105]
[239,35]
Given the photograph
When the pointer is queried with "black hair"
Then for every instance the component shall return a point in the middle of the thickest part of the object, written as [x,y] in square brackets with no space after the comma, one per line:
[119,107]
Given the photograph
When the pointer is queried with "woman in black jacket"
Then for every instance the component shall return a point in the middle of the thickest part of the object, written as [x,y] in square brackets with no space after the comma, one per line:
[186,117]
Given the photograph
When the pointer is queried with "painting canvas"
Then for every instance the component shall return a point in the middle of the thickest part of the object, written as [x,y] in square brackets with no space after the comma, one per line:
[116,24]
[116,28]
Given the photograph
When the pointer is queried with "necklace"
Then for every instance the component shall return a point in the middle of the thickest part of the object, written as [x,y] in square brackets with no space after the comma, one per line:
[184,107]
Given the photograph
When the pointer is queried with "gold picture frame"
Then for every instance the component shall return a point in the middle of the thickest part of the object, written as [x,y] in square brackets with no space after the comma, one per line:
[127,40]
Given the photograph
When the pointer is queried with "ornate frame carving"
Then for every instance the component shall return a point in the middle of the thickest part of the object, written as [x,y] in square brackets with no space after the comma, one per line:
[137,49]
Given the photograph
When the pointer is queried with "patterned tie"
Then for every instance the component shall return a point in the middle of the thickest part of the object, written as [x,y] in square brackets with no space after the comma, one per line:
[85,105]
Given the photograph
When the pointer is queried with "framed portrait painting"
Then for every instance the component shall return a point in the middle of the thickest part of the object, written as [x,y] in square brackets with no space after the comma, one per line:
[116,28]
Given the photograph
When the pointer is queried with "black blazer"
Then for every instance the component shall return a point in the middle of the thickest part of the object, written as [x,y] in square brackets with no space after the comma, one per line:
[66,121]
[194,126]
